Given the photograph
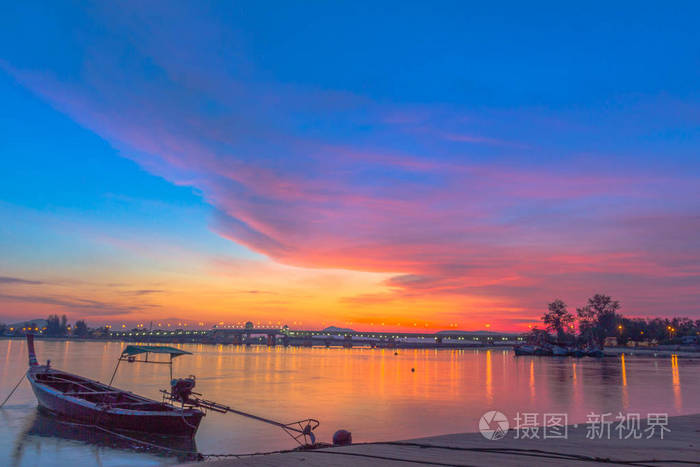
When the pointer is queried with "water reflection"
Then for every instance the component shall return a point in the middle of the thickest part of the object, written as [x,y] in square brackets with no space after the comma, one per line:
[577,397]
[625,393]
[371,392]
[489,379]
[99,444]
[676,382]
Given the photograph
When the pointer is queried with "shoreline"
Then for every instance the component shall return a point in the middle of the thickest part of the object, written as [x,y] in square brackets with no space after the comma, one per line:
[680,444]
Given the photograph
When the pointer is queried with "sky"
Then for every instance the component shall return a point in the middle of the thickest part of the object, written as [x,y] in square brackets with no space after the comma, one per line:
[375,165]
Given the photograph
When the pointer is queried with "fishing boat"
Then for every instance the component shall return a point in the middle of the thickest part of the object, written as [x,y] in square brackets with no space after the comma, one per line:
[525,349]
[594,352]
[98,404]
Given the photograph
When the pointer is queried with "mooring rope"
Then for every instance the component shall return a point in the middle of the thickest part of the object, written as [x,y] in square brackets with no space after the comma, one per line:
[525,452]
[13,391]
[395,459]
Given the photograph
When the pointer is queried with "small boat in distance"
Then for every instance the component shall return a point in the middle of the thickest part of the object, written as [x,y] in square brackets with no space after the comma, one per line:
[594,352]
[525,349]
[97,404]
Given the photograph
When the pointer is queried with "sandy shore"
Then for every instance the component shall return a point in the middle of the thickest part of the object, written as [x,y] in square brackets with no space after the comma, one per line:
[679,446]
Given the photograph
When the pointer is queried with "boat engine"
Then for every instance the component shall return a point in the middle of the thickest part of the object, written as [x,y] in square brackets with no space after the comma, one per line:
[181,388]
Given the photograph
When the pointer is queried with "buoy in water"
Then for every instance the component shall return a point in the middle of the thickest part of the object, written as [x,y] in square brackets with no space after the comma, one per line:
[342,438]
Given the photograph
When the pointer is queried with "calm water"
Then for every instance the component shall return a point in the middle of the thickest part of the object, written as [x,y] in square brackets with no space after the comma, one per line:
[371,392]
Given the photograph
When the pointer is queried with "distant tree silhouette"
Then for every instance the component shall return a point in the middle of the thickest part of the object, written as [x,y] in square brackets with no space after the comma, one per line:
[81,329]
[658,329]
[598,319]
[586,324]
[537,336]
[558,319]
[55,326]
[607,319]
[633,329]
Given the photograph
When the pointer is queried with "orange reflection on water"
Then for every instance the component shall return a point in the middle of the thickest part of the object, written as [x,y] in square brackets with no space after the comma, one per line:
[489,378]
[532,380]
[676,379]
[625,394]
[576,385]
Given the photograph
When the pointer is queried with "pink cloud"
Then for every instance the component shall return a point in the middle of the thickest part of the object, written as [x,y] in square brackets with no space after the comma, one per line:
[450,224]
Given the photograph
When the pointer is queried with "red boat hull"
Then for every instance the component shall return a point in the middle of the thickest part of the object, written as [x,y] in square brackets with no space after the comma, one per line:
[173,421]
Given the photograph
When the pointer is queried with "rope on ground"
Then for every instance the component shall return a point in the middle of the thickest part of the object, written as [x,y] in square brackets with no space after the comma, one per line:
[13,391]
[320,448]
[389,458]
[267,453]
[533,452]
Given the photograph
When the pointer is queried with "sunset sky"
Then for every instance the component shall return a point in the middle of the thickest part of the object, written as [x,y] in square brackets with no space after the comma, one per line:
[364,164]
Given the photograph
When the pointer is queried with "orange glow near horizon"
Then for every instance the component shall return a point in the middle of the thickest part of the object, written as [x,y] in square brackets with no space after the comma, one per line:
[230,292]
[263,292]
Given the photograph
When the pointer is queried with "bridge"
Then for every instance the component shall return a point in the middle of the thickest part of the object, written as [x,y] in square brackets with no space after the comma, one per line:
[327,337]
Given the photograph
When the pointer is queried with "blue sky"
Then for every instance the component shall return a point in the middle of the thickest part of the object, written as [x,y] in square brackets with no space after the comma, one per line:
[481,159]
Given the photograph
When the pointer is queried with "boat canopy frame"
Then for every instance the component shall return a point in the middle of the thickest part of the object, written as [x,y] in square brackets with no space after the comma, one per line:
[130,351]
